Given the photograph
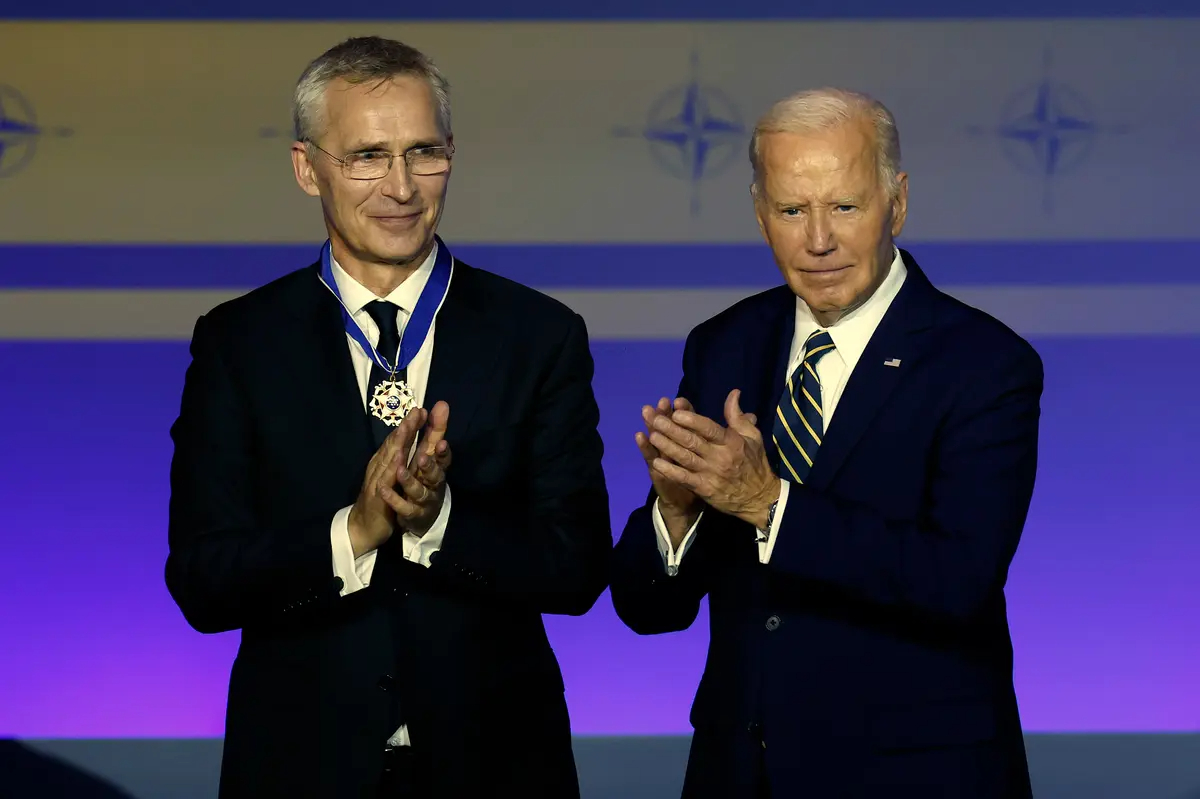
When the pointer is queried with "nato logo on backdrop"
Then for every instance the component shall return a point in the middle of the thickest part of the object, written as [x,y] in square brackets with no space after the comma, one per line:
[694,131]
[20,132]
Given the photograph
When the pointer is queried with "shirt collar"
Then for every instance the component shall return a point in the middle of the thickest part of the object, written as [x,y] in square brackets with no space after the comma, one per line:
[853,331]
[356,296]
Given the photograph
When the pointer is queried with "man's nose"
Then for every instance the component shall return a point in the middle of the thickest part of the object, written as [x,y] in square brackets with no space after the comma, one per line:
[821,240]
[398,183]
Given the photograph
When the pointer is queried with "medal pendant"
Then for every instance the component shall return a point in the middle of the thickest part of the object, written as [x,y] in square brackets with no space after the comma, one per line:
[392,401]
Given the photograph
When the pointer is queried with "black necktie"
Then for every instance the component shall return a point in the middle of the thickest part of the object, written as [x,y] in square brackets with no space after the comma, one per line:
[384,314]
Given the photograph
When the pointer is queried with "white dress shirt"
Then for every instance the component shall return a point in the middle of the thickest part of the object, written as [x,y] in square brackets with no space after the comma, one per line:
[355,573]
[850,335]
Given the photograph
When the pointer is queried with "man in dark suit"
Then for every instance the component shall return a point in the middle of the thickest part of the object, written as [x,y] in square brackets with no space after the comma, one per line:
[845,474]
[388,566]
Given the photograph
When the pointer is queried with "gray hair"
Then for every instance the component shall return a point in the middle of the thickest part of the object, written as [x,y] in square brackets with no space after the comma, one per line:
[359,60]
[825,108]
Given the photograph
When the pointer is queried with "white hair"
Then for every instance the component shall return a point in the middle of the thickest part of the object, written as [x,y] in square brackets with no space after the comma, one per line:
[359,60]
[821,109]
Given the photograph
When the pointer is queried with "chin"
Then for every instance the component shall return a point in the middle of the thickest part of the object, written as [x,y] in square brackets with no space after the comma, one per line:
[825,301]
[402,248]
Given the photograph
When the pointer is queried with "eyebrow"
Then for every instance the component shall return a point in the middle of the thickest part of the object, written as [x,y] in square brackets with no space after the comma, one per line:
[372,146]
[363,147]
[843,200]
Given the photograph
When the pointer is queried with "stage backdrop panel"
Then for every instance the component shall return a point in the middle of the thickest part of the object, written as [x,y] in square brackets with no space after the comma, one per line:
[144,176]
[1015,130]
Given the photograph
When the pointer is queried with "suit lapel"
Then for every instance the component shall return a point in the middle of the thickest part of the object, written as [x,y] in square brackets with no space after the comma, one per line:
[464,354]
[766,359]
[335,414]
[902,335]
[463,358]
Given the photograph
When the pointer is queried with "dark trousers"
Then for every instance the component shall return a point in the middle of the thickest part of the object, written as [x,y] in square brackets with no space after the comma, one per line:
[401,779]
[762,787]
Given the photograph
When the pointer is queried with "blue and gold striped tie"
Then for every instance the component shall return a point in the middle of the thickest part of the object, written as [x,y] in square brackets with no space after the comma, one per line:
[799,419]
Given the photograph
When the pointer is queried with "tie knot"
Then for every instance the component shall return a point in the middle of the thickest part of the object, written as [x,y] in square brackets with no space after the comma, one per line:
[384,315]
[815,347]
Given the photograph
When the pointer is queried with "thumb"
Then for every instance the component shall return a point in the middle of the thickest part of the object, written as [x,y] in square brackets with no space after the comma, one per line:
[733,412]
[439,417]
[435,433]
[733,409]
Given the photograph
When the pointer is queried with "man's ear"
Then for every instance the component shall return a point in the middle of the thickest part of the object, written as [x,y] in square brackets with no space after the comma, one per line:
[304,169]
[900,204]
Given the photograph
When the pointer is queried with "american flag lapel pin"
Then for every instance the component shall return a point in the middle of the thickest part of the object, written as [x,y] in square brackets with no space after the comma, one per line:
[892,362]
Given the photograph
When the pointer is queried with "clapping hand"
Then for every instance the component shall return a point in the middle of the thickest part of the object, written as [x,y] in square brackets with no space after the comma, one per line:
[422,480]
[677,503]
[372,519]
[726,466]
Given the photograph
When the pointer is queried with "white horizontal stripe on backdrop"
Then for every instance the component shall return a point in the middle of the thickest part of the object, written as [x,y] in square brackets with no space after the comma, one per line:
[617,314]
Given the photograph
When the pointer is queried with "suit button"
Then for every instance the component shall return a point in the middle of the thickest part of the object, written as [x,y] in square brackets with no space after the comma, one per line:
[756,732]
[773,623]
[386,683]
[338,585]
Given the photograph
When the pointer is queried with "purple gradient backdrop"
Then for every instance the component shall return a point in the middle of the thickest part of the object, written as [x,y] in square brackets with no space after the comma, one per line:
[1103,602]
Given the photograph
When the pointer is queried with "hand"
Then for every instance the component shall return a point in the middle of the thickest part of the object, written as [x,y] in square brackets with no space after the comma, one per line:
[678,504]
[725,466]
[423,479]
[372,520]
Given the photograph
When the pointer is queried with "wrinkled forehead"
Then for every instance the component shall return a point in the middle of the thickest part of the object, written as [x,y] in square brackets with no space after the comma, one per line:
[838,160]
[380,111]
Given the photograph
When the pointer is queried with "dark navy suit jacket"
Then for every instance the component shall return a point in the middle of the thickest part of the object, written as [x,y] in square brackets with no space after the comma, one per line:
[871,657]
[272,439]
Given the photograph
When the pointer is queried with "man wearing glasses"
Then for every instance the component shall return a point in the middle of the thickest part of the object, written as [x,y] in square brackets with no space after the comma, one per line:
[386,469]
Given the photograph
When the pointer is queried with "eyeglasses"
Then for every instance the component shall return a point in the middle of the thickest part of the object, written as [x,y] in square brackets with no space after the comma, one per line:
[375,164]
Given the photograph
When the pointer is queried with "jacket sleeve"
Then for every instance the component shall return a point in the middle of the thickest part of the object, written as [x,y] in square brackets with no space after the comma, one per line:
[225,568]
[551,547]
[645,597]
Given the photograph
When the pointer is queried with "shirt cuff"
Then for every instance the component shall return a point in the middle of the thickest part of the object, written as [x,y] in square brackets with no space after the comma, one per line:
[418,549]
[355,573]
[765,548]
[671,558]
